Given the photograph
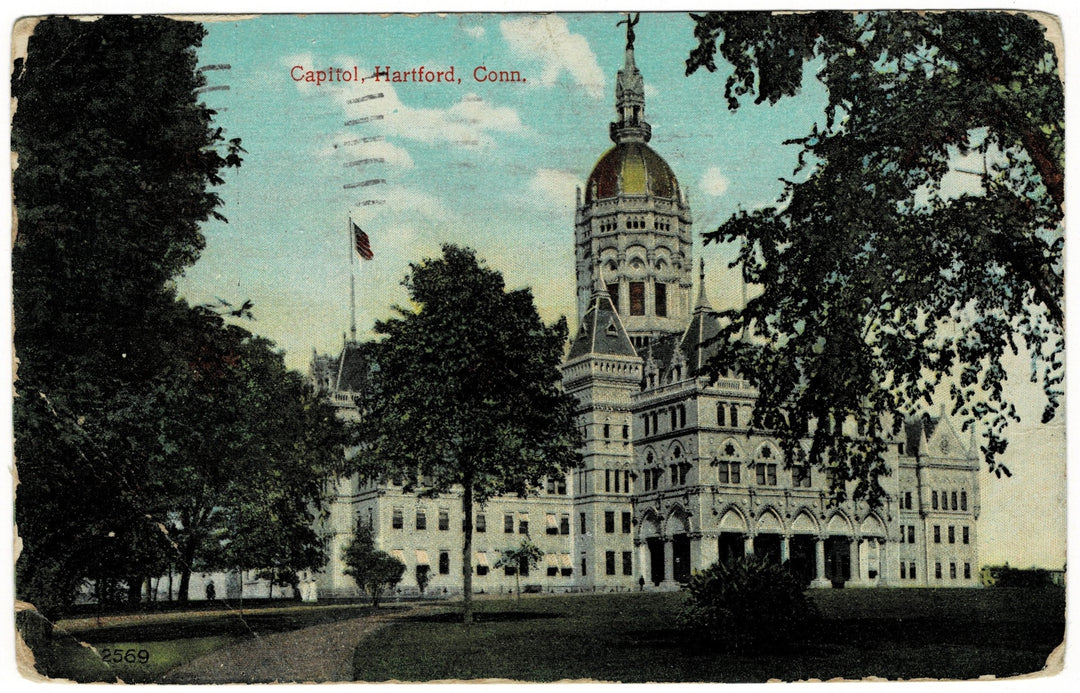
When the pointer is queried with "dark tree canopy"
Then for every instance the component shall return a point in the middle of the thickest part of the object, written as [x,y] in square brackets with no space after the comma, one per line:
[468,394]
[149,434]
[876,284]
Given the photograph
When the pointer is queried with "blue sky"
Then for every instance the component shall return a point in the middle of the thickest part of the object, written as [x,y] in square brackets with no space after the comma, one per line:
[491,166]
[494,166]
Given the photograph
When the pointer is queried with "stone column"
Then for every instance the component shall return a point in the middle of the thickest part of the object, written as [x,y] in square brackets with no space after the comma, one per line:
[709,551]
[642,569]
[669,564]
[884,563]
[819,564]
[857,574]
[785,548]
[748,545]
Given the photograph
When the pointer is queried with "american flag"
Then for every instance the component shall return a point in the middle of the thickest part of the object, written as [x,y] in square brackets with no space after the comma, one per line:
[361,242]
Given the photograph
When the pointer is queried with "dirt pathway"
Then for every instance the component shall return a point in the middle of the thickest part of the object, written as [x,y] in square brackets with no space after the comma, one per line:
[315,654]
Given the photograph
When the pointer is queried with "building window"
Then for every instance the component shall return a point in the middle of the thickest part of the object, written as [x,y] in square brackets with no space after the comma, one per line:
[552,524]
[607,481]
[937,571]
[444,520]
[967,571]
[766,474]
[627,563]
[509,569]
[508,523]
[564,524]
[607,431]
[952,534]
[637,298]
[609,562]
[626,523]
[481,523]
[645,418]
[911,534]
[661,300]
[933,500]
[627,486]
[617,478]
[730,473]
[481,569]
[583,524]
[613,291]
[609,521]
[523,567]
[963,500]
[911,571]
[682,416]
[399,518]
[720,413]
[421,519]
[903,530]
[523,524]
[965,536]
[937,534]
[952,571]
[734,415]
[674,419]
[584,565]
[444,563]
[800,476]
[903,570]
[907,500]
[626,432]
[954,504]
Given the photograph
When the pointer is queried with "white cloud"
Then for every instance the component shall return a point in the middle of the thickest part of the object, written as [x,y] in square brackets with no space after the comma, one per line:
[554,185]
[651,92]
[713,182]
[476,32]
[548,39]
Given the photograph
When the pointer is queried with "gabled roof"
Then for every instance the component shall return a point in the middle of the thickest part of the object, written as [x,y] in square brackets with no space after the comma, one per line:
[601,332]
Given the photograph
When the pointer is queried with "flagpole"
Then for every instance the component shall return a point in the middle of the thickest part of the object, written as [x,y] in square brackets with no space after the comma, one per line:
[352,280]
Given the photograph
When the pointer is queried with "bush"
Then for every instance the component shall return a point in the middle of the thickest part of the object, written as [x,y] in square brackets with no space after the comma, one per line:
[746,603]
[1029,578]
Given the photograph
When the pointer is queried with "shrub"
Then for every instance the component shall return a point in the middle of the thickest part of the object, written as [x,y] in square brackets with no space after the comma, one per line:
[746,603]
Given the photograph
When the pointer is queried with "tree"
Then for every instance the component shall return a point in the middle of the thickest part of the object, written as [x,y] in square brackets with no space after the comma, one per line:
[468,392]
[373,570]
[877,283]
[116,158]
[526,555]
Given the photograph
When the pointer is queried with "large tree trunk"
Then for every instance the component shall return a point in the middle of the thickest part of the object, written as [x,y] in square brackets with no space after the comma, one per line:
[466,553]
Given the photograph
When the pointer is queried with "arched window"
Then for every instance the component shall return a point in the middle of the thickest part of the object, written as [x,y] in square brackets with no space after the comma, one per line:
[682,416]
[734,415]
[720,413]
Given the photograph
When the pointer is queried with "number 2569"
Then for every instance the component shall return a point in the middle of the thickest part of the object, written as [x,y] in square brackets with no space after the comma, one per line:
[122,656]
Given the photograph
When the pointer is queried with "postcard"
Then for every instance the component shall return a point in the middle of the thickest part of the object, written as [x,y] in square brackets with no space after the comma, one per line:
[576,346]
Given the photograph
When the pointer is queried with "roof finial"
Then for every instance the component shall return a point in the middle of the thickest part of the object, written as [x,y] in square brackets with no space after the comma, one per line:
[630,29]
[703,300]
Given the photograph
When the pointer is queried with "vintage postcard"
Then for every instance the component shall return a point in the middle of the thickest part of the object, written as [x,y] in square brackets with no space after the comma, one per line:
[641,347]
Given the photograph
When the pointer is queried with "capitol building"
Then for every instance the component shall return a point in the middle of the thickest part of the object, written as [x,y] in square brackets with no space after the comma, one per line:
[672,479]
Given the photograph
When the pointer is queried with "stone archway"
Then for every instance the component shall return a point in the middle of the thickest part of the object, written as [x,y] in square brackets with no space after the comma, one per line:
[802,556]
[731,543]
[769,537]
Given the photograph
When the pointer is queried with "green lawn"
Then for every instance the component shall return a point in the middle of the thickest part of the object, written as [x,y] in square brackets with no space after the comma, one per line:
[167,641]
[909,633]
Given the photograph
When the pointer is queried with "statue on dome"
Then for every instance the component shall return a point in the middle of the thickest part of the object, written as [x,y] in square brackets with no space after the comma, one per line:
[630,28]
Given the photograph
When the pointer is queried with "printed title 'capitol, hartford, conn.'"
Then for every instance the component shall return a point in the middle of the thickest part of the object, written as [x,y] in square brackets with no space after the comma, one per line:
[671,482]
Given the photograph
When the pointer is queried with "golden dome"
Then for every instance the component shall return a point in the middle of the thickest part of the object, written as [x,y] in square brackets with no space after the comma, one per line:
[631,168]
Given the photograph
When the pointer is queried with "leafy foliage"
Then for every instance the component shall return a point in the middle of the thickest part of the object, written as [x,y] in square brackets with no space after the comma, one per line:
[468,395]
[745,604]
[879,284]
[526,554]
[149,434]
[373,570]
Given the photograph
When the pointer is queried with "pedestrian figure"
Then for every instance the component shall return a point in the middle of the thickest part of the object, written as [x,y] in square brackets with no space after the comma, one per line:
[211,591]
[641,583]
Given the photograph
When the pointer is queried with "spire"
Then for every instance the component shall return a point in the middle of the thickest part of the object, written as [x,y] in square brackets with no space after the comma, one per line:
[703,300]
[630,95]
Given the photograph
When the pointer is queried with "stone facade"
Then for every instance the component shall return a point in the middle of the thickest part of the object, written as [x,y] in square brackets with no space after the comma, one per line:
[672,480]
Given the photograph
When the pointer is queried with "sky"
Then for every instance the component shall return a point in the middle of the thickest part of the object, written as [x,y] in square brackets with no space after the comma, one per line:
[494,166]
